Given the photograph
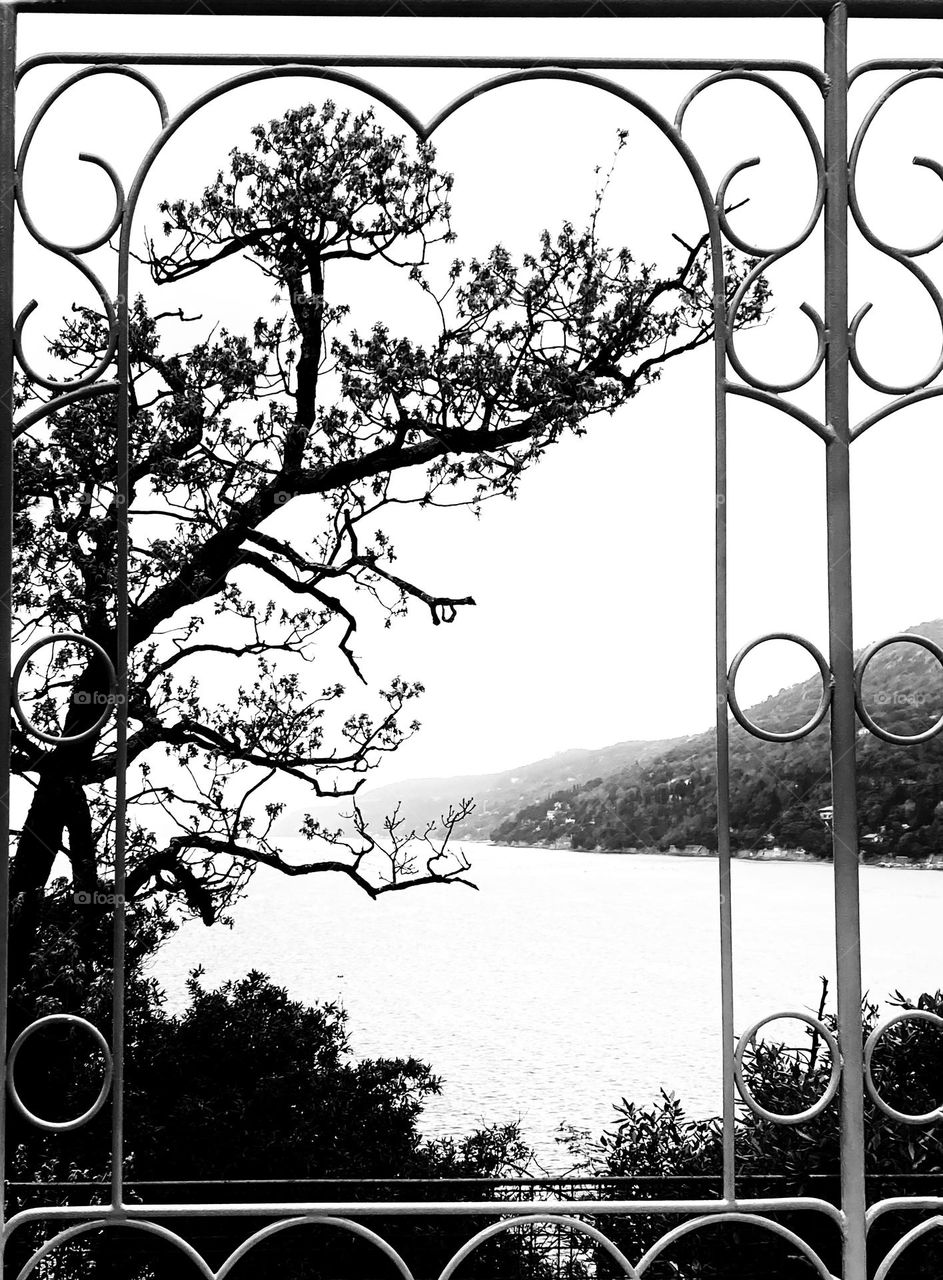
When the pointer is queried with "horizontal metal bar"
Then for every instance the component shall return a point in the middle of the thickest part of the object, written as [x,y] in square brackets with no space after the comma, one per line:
[437,1182]
[423,1209]
[893,64]
[492,8]
[511,1184]
[394,62]
[704,1179]
[903,1204]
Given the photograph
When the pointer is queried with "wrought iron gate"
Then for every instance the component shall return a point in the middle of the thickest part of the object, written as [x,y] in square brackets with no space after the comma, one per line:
[841,701]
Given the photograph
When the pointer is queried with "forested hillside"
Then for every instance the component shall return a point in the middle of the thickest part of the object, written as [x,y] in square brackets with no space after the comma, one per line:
[780,792]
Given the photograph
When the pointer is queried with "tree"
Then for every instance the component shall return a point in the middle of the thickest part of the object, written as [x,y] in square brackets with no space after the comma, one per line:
[306,413]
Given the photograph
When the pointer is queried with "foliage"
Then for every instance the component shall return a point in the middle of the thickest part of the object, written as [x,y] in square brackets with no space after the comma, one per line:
[219,1089]
[248,1084]
[780,792]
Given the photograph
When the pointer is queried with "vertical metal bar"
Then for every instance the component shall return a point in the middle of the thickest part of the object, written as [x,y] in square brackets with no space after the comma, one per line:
[122,500]
[841,654]
[722,737]
[7,180]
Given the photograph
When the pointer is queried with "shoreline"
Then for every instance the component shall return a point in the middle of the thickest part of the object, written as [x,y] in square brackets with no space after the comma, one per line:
[933,863]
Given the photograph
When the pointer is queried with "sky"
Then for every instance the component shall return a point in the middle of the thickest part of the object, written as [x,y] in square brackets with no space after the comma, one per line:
[594,590]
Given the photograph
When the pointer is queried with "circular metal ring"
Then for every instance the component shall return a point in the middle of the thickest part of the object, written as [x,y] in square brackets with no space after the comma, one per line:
[864,715]
[69,1020]
[60,739]
[791,735]
[920,1015]
[795,1117]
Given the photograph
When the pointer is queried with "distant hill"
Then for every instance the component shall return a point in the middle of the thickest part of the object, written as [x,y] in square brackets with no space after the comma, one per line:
[498,796]
[780,792]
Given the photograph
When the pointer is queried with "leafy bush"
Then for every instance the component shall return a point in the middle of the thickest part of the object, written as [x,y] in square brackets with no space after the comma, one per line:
[246,1083]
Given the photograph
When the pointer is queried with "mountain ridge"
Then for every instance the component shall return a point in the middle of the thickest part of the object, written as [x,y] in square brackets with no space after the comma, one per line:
[780,792]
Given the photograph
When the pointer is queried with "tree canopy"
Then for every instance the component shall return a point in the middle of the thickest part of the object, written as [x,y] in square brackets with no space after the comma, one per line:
[240,440]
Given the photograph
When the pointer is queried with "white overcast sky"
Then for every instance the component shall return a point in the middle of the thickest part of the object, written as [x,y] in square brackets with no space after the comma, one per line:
[595,589]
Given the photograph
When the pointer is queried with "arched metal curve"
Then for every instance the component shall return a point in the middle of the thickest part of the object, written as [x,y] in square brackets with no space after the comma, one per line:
[821,429]
[747,1219]
[72,253]
[905,257]
[885,411]
[755,77]
[549,1219]
[343,1224]
[904,1243]
[768,257]
[131,1224]
[61,402]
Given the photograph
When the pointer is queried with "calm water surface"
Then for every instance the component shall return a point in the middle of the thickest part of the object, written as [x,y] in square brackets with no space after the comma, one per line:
[570,979]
